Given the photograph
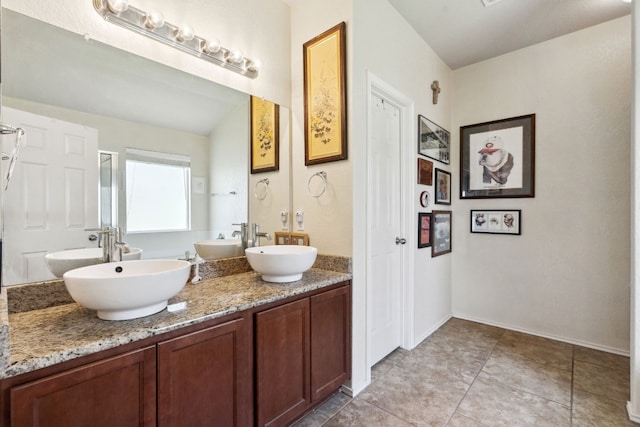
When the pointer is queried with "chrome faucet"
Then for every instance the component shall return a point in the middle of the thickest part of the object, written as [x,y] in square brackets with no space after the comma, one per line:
[257,234]
[242,233]
[111,241]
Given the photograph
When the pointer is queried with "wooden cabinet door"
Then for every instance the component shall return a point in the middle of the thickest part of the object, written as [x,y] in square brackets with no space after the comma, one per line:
[204,378]
[330,341]
[117,391]
[282,363]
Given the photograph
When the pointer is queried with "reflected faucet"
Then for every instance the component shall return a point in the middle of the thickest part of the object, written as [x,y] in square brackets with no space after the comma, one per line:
[112,244]
[242,233]
[257,234]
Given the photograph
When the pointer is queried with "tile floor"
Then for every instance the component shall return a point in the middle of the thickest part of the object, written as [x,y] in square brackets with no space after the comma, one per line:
[468,374]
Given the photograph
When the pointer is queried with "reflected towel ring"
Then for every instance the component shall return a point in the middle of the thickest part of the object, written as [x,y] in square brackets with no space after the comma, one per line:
[323,176]
[261,195]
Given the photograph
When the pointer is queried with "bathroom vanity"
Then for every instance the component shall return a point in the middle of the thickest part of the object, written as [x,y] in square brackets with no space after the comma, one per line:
[242,352]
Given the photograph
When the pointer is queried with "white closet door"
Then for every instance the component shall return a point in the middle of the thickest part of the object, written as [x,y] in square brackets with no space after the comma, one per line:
[52,196]
[385,260]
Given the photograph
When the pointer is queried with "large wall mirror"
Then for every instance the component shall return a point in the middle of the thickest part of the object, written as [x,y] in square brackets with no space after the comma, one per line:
[139,138]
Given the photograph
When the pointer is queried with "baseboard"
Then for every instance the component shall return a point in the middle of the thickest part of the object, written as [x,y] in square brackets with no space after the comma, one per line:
[633,417]
[348,390]
[604,348]
[430,331]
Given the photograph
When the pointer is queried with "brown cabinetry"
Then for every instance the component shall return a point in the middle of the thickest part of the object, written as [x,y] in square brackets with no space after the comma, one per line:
[282,363]
[302,355]
[204,378]
[265,366]
[118,391]
[330,341]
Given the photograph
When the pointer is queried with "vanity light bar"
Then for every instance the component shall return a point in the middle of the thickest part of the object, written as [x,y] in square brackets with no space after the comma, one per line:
[152,25]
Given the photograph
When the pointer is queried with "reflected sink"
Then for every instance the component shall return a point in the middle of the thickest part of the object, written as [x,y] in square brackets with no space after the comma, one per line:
[219,248]
[127,289]
[281,263]
[63,261]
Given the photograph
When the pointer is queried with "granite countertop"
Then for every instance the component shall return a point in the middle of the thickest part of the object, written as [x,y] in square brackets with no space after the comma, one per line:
[44,337]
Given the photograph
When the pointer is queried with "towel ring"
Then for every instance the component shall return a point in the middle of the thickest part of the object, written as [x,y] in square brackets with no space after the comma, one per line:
[261,195]
[323,176]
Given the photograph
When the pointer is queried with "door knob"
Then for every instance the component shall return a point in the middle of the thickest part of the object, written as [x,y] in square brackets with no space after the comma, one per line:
[400,241]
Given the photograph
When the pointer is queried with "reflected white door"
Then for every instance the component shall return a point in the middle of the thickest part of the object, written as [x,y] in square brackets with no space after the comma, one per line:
[385,288]
[52,196]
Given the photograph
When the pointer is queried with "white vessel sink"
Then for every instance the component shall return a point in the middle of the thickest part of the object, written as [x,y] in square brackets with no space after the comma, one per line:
[281,263]
[220,248]
[63,261]
[127,289]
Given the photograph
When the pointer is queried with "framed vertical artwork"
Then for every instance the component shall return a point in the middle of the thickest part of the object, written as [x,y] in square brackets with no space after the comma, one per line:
[265,138]
[325,97]
[424,230]
[443,187]
[425,172]
[497,159]
[498,221]
[440,233]
[433,141]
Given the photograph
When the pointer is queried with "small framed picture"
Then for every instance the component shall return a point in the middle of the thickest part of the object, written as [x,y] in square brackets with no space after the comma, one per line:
[443,187]
[265,138]
[440,233]
[425,172]
[433,141]
[424,230]
[496,221]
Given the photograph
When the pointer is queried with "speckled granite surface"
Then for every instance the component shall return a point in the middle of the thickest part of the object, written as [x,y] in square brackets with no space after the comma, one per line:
[4,329]
[44,337]
[36,296]
[334,263]
[39,295]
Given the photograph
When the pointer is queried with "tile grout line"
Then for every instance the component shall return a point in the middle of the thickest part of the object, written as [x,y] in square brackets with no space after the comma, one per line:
[383,409]
[474,380]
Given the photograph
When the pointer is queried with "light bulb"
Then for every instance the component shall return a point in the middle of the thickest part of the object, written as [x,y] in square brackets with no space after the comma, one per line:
[235,56]
[117,6]
[254,65]
[154,19]
[185,33]
[211,46]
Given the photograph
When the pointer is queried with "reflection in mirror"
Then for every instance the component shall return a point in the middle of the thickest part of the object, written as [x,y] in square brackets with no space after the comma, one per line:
[108,196]
[89,103]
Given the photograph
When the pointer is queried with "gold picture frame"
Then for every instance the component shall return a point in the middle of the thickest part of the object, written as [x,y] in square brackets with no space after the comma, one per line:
[265,136]
[325,97]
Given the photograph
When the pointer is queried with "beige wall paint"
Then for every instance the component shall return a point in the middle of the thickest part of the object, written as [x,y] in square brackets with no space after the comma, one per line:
[567,276]
[327,219]
[633,406]
[229,151]
[379,31]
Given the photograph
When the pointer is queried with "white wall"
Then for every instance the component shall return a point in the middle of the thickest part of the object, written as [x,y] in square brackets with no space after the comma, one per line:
[260,28]
[335,222]
[567,276]
[327,219]
[379,31]
[633,406]
[229,151]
